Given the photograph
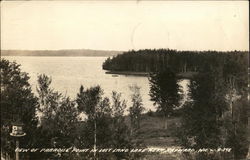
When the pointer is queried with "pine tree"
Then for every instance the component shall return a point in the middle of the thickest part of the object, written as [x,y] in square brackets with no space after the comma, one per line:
[165,92]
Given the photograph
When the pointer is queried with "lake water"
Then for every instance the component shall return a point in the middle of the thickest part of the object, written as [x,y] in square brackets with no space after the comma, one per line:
[68,73]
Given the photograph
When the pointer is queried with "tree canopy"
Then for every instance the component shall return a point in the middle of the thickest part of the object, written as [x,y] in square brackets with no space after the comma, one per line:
[18,104]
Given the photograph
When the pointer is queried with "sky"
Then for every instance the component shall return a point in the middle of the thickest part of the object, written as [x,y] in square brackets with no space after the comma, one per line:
[125,25]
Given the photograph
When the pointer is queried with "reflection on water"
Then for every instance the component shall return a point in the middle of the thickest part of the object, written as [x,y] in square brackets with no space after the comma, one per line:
[68,73]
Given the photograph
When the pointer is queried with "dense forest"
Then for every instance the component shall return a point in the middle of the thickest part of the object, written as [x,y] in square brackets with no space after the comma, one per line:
[152,60]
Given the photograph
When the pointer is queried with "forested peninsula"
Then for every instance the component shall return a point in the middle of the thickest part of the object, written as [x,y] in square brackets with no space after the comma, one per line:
[153,60]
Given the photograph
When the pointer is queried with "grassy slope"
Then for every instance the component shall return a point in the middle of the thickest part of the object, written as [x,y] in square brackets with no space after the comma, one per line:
[152,131]
[153,134]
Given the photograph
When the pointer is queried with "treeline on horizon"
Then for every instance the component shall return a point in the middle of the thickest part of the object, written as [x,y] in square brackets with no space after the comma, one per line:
[63,52]
[154,60]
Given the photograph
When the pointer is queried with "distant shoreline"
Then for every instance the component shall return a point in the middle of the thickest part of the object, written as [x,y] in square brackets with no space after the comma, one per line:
[55,55]
[61,53]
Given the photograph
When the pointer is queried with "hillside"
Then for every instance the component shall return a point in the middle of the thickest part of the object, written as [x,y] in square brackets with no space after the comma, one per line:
[73,52]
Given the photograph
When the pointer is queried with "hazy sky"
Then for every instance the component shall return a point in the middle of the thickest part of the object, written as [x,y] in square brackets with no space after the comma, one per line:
[124,25]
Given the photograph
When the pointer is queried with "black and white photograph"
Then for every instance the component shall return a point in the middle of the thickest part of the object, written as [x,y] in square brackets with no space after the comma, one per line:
[125,80]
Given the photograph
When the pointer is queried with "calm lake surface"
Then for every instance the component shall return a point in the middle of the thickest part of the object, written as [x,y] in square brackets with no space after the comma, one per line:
[68,73]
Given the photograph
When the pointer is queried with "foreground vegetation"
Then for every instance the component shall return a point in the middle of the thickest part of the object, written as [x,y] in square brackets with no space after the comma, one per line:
[215,117]
[52,120]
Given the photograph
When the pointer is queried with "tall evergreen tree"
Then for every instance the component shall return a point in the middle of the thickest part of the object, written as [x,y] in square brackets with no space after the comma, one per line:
[165,92]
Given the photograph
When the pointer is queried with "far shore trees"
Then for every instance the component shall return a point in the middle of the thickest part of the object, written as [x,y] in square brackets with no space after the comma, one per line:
[153,60]
[165,92]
